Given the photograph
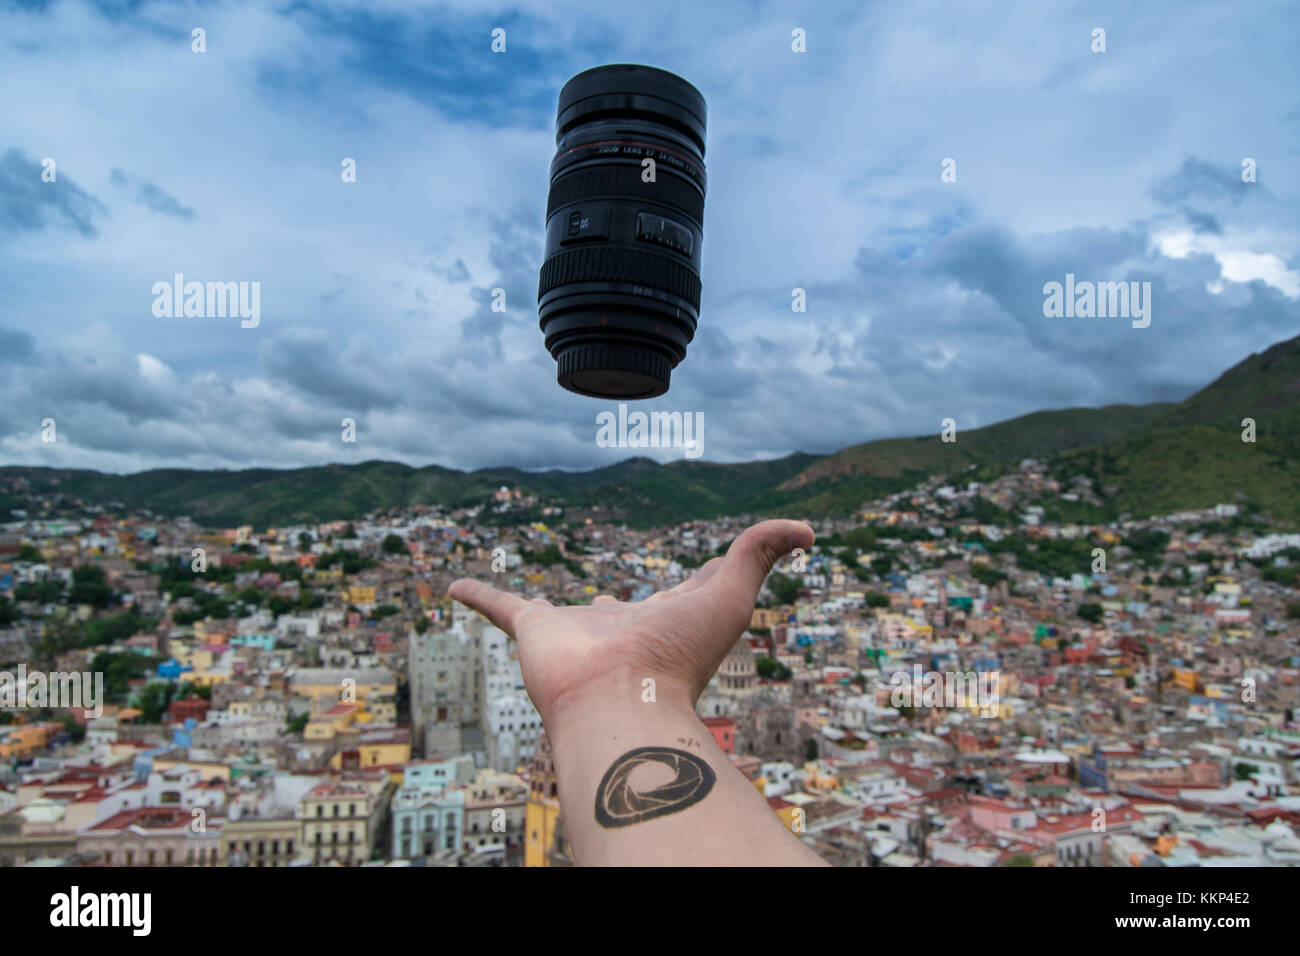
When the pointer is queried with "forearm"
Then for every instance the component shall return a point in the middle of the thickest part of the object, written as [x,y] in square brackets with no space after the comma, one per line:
[645,784]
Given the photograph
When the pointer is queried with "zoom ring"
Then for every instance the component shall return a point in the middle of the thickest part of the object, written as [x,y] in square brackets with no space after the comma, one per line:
[624,182]
[606,264]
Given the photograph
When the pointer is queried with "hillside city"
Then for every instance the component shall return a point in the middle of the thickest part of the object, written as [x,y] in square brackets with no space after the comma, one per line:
[963,674]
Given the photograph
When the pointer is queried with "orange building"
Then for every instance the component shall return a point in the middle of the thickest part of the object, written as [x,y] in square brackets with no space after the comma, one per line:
[724,732]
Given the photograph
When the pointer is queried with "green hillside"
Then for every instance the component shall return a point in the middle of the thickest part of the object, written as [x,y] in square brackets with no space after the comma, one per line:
[1144,459]
[1030,436]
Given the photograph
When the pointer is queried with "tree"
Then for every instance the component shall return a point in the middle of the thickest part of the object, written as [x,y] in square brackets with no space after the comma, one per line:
[195,690]
[421,624]
[296,724]
[876,599]
[90,586]
[770,669]
[810,751]
[115,627]
[119,670]
[29,555]
[154,699]
[784,589]
[1243,771]
[75,730]
[394,545]
[42,592]
[1091,612]
[278,605]
[304,542]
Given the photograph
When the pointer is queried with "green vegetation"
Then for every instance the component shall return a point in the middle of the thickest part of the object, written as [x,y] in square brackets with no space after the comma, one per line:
[1054,557]
[771,669]
[1143,460]
[986,575]
[1092,613]
[351,562]
[9,613]
[118,670]
[49,591]
[296,724]
[784,589]
[550,556]
[118,627]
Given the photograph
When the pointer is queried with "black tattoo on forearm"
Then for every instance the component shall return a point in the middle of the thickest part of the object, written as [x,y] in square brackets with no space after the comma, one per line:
[619,805]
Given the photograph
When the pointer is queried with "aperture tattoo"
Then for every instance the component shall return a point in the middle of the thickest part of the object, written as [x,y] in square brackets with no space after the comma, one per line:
[619,805]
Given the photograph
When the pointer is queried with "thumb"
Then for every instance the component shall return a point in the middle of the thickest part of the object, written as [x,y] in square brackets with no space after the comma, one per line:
[752,556]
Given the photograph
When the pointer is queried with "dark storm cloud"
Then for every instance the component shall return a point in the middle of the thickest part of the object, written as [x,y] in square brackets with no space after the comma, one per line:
[924,299]
[28,204]
[15,346]
[1201,180]
[154,197]
[311,362]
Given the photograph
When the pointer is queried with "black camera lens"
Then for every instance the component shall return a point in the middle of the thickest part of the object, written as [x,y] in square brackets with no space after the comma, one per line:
[619,293]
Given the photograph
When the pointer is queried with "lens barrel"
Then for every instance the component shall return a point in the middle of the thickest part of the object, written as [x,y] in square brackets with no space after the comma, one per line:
[619,293]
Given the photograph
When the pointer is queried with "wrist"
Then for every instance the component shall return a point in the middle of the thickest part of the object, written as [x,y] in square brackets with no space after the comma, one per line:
[621,697]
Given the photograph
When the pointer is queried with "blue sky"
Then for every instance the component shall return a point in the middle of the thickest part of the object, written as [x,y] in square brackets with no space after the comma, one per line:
[924,298]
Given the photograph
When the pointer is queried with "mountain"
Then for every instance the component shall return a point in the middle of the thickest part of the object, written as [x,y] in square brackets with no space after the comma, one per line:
[1029,436]
[1194,455]
[1146,459]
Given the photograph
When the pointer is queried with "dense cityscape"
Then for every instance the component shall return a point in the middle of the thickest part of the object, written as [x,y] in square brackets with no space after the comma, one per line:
[964,674]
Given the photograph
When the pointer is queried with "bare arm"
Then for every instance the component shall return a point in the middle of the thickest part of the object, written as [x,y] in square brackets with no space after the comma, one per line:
[644,783]
[641,780]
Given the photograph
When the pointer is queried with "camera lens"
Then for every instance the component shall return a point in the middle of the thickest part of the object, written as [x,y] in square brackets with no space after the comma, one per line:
[619,292]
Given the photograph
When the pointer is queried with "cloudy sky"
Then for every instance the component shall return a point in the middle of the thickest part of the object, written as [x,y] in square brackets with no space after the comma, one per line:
[924,298]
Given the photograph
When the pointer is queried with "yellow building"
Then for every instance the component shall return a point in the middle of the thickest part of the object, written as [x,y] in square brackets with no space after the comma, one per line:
[361,594]
[546,841]
[23,740]
[344,685]
[386,752]
[330,723]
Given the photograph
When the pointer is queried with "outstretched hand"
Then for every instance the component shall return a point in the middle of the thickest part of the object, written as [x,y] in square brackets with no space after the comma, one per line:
[677,637]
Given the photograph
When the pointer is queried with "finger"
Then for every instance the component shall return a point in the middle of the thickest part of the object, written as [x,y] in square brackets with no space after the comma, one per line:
[502,609]
[604,599]
[701,575]
[752,556]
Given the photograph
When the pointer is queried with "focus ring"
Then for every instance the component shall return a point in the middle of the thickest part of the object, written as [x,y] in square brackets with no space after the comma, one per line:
[598,357]
[617,264]
[624,182]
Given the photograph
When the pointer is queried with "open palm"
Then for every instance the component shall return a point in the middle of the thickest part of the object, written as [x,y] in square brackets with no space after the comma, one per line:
[676,637]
